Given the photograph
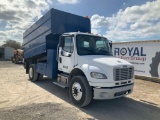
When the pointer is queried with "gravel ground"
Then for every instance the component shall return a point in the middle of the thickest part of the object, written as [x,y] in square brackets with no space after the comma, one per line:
[21,99]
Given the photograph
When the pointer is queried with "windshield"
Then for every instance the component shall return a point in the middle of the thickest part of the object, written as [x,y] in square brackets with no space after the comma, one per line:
[92,45]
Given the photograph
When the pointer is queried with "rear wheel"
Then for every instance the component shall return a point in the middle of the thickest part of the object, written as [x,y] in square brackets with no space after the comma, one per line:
[80,91]
[12,59]
[16,60]
[33,75]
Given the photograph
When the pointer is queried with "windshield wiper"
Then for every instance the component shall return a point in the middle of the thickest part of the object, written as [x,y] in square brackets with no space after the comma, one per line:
[106,52]
[89,50]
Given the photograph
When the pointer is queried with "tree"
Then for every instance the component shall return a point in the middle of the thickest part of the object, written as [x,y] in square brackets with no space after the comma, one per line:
[13,44]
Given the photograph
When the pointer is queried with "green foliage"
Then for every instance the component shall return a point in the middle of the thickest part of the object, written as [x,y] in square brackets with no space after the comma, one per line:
[13,44]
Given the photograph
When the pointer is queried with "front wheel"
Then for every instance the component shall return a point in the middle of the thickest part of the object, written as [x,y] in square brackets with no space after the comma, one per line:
[80,91]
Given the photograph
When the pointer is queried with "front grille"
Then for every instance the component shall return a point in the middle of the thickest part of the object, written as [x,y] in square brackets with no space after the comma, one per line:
[123,73]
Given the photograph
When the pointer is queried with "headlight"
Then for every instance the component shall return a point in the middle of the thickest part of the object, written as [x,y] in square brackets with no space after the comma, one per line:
[98,75]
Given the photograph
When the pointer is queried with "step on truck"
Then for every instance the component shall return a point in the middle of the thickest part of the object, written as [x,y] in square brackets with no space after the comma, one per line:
[60,46]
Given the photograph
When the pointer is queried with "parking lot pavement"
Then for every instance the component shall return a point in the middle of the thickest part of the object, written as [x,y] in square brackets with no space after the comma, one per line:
[22,99]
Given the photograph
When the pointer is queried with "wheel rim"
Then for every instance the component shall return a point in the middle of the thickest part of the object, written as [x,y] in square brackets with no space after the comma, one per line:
[31,72]
[77,91]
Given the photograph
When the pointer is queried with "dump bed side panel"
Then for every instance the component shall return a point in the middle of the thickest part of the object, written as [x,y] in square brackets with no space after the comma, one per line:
[38,28]
[34,39]
[52,24]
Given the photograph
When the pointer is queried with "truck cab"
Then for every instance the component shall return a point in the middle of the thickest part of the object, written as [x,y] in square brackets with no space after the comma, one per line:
[89,57]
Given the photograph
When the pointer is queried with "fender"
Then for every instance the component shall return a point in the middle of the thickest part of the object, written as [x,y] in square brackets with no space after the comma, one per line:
[85,70]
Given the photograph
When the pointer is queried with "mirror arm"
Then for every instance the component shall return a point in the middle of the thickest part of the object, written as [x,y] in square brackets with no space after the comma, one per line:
[66,54]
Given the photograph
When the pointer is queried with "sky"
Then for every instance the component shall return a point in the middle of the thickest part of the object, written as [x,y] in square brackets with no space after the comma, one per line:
[118,20]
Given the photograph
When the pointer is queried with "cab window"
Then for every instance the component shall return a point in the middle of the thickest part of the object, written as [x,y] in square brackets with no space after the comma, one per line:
[68,44]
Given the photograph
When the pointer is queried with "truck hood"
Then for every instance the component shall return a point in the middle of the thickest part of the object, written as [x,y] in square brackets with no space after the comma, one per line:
[101,61]
[101,64]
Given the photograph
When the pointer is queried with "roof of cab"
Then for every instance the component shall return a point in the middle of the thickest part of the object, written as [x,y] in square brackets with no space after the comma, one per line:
[82,33]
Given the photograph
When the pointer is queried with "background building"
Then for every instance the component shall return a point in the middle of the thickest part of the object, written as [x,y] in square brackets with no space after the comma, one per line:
[6,53]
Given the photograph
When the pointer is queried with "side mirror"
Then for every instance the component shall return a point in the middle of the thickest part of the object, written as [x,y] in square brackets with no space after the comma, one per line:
[66,54]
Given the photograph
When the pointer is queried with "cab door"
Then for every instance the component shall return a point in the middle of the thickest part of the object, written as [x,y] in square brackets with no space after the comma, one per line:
[66,54]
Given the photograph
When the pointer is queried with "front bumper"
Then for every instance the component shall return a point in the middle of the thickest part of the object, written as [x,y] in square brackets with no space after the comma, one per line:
[113,92]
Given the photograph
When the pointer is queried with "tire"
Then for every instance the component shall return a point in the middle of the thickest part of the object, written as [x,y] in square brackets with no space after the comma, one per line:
[154,65]
[12,59]
[33,75]
[84,96]
[16,60]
